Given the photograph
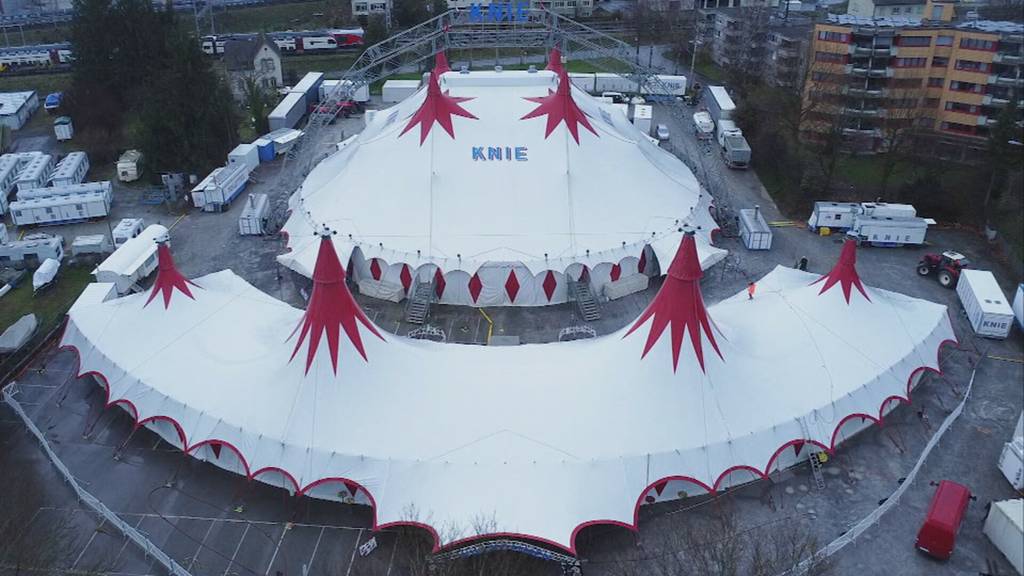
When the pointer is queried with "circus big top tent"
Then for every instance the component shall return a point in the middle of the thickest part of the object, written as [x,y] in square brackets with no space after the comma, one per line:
[498,187]
[545,439]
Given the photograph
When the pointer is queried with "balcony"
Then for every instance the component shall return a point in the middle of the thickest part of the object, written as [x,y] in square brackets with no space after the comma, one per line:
[1007,58]
[864,92]
[873,132]
[865,112]
[1007,81]
[990,100]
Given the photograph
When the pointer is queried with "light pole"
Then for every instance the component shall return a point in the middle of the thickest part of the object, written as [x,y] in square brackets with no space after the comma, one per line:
[693,58]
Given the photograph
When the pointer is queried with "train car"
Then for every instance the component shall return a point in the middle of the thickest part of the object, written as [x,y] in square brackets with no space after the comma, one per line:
[315,43]
[348,37]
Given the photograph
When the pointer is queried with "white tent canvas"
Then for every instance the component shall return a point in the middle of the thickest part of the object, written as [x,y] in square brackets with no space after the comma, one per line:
[544,438]
[487,174]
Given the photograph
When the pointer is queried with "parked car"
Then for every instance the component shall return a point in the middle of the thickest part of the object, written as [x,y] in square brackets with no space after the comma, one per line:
[661,132]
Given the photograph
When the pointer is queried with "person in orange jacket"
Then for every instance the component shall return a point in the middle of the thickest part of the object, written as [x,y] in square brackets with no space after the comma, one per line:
[750,290]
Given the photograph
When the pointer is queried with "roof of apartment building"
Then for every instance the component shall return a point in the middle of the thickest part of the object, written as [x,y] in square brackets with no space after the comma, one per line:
[899,2]
[239,54]
[990,26]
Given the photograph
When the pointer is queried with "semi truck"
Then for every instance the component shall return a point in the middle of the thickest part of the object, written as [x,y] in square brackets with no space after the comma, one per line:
[736,151]
[719,104]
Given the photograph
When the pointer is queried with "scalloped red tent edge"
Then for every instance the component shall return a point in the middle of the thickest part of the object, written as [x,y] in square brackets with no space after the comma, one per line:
[571,549]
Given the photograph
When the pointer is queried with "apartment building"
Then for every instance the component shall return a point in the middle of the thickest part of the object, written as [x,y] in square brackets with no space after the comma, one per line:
[364,8]
[757,41]
[871,78]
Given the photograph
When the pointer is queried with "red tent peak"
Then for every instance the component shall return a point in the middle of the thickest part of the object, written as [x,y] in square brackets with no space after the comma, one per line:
[437,107]
[441,63]
[559,106]
[168,277]
[555,60]
[680,305]
[844,273]
[331,308]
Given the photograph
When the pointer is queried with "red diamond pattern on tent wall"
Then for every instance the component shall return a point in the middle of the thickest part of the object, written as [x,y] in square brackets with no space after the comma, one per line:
[642,264]
[616,272]
[215,446]
[405,277]
[475,285]
[352,487]
[660,487]
[438,283]
[549,284]
[512,286]
[375,269]
[584,275]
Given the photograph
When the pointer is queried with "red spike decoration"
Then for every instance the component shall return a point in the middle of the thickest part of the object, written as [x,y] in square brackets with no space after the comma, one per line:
[331,308]
[441,64]
[559,106]
[844,273]
[167,277]
[679,303]
[555,60]
[437,106]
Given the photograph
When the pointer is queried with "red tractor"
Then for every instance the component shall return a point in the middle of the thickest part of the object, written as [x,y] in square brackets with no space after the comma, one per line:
[946,266]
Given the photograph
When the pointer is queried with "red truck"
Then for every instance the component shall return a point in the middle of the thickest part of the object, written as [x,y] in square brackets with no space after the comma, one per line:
[937,535]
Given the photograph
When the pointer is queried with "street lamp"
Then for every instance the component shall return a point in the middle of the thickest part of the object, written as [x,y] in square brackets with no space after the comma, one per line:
[693,57]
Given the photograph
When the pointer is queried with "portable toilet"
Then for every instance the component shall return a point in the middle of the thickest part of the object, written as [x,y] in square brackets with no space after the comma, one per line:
[265,148]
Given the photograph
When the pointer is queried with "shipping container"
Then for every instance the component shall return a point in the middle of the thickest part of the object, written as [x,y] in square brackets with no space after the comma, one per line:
[70,170]
[288,112]
[668,86]
[127,229]
[984,303]
[220,187]
[131,262]
[253,220]
[129,166]
[247,154]
[1004,526]
[398,90]
[103,187]
[36,173]
[309,87]
[720,105]
[754,230]
[1011,459]
[643,115]
[606,82]
[60,209]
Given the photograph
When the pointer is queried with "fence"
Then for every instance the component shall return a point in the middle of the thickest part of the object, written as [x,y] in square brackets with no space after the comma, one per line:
[150,549]
[871,519]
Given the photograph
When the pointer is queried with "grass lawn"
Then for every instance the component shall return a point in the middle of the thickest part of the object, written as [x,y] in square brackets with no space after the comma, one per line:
[43,84]
[276,17]
[51,304]
[865,173]
[43,35]
[332,65]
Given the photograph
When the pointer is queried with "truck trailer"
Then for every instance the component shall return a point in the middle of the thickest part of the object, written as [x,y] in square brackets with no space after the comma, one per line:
[983,301]
[889,231]
[719,104]
[288,112]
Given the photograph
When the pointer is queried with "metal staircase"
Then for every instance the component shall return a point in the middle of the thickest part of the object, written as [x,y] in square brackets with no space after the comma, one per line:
[418,307]
[813,455]
[585,301]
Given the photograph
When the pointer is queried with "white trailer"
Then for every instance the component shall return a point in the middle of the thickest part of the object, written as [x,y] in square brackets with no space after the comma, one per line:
[889,231]
[754,230]
[720,105]
[288,112]
[133,261]
[1018,306]
[70,170]
[36,173]
[309,87]
[398,90]
[643,115]
[220,187]
[984,303]
[669,86]
[887,210]
[361,95]
[253,220]
[833,215]
[91,244]
[129,166]
[9,168]
[605,82]
[247,154]
[127,229]
[703,126]
[60,209]
[102,186]
[35,247]
[583,81]
[1011,459]
[284,139]
[1004,526]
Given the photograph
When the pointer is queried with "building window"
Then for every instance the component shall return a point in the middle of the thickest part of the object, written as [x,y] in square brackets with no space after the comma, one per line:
[361,7]
[977,44]
[962,108]
[267,65]
[936,82]
[915,41]
[910,62]
[940,62]
[965,87]
[972,66]
[829,36]
[956,127]
[895,11]
[944,41]
[830,57]
[906,82]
